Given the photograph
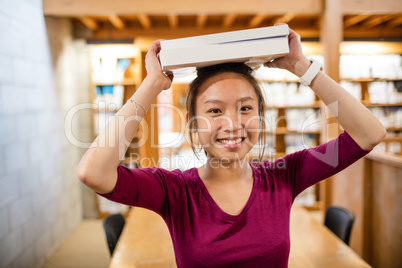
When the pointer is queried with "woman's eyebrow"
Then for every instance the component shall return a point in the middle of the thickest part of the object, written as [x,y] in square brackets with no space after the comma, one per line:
[246,99]
[219,101]
[213,101]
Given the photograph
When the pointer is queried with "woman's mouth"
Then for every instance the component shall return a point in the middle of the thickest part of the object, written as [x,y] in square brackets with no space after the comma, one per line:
[231,143]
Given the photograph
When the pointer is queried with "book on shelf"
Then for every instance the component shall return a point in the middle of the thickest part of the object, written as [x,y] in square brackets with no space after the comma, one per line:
[109,94]
[253,47]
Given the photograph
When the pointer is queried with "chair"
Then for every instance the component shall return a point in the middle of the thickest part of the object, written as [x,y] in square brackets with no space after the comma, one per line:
[113,226]
[340,221]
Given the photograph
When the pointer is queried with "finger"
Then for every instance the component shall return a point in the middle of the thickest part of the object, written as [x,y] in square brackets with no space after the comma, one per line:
[156,43]
[152,49]
[270,64]
[155,47]
[170,77]
[293,34]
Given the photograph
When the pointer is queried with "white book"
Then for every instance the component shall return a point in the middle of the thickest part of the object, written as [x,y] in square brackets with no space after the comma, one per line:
[219,38]
[254,47]
[254,53]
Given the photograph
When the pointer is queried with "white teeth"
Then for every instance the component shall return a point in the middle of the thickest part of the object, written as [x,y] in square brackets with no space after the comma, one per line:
[231,141]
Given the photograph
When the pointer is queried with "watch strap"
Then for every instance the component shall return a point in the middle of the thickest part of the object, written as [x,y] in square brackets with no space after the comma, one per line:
[311,73]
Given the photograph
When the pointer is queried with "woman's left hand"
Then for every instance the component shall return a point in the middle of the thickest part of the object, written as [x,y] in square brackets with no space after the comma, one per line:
[295,62]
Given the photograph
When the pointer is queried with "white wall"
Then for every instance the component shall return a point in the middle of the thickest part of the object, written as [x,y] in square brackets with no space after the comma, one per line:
[43,73]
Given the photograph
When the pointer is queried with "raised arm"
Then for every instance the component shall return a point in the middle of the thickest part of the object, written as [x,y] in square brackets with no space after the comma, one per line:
[353,116]
[98,167]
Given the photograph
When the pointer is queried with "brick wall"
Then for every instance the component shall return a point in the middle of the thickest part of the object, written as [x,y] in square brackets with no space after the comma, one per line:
[43,74]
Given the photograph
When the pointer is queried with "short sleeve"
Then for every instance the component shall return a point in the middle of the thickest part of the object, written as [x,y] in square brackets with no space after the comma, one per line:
[308,167]
[143,187]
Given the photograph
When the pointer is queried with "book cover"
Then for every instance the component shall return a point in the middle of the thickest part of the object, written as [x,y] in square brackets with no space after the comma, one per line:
[254,47]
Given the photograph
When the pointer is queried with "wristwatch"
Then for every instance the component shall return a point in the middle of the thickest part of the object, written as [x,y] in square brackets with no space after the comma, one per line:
[312,72]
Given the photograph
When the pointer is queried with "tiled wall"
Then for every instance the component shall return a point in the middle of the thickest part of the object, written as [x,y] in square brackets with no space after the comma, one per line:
[43,74]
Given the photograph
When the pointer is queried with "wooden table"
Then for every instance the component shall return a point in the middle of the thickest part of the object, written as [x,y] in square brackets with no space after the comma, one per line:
[313,245]
[145,242]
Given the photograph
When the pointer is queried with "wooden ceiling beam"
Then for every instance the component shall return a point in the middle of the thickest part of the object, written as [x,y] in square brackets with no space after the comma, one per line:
[256,20]
[355,19]
[201,20]
[144,21]
[371,6]
[395,22]
[285,18]
[117,22]
[378,32]
[173,21]
[80,8]
[370,23]
[229,20]
[90,23]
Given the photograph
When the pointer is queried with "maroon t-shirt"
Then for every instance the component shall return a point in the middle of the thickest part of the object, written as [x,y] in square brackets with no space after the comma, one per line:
[205,236]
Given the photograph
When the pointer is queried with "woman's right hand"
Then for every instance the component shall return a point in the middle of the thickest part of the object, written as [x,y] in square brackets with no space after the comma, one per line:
[295,62]
[153,66]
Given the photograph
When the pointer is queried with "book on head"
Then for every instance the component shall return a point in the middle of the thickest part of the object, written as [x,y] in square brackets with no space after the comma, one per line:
[253,47]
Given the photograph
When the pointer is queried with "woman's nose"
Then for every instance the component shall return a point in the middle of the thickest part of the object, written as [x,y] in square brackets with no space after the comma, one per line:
[231,123]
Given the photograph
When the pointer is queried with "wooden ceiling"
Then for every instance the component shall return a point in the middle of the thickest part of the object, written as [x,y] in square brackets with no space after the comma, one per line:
[174,26]
[127,19]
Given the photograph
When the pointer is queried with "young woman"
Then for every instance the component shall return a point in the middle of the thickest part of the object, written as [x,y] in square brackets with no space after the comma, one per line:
[228,212]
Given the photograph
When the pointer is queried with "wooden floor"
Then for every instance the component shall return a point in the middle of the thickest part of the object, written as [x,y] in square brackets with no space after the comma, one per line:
[85,248]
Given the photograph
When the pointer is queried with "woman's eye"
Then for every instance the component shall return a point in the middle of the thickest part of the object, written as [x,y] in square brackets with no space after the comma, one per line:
[215,111]
[245,108]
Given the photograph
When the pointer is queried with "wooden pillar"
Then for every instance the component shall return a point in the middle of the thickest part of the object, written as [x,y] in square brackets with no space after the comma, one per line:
[331,36]
[149,152]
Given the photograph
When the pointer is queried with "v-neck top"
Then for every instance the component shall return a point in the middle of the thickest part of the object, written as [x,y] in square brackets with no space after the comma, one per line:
[203,235]
[218,209]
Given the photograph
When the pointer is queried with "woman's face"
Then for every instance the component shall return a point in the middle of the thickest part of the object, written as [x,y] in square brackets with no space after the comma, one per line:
[227,117]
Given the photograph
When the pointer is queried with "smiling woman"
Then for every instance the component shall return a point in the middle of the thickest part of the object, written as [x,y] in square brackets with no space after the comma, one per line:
[229,212]
[215,91]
